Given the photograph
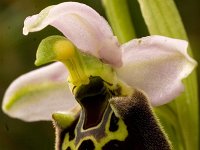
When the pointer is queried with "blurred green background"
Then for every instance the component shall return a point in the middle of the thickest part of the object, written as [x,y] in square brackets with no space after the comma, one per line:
[17,56]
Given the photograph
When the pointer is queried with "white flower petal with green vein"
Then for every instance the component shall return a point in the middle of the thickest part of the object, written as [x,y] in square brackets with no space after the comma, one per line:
[38,94]
[156,65]
[82,25]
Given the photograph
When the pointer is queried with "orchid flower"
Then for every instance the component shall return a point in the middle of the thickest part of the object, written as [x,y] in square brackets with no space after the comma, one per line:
[153,64]
[116,77]
[98,67]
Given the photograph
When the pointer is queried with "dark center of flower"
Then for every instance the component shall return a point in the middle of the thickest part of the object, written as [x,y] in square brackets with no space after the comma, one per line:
[93,98]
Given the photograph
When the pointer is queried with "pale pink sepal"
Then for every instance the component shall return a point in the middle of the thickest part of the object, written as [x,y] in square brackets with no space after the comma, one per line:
[81,24]
[38,94]
[156,65]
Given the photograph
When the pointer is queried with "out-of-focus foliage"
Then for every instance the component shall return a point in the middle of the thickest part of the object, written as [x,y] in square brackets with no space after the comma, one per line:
[17,55]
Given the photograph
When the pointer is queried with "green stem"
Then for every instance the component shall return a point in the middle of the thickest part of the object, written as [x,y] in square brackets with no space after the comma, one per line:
[162,17]
[120,20]
[169,122]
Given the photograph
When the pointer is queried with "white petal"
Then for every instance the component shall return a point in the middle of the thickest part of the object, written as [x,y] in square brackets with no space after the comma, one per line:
[156,65]
[82,25]
[38,94]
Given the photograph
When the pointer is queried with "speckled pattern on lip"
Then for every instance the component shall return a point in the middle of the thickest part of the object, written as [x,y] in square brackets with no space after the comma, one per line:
[134,128]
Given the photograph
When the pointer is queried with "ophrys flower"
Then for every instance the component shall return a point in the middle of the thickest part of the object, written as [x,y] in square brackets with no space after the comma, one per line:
[154,64]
